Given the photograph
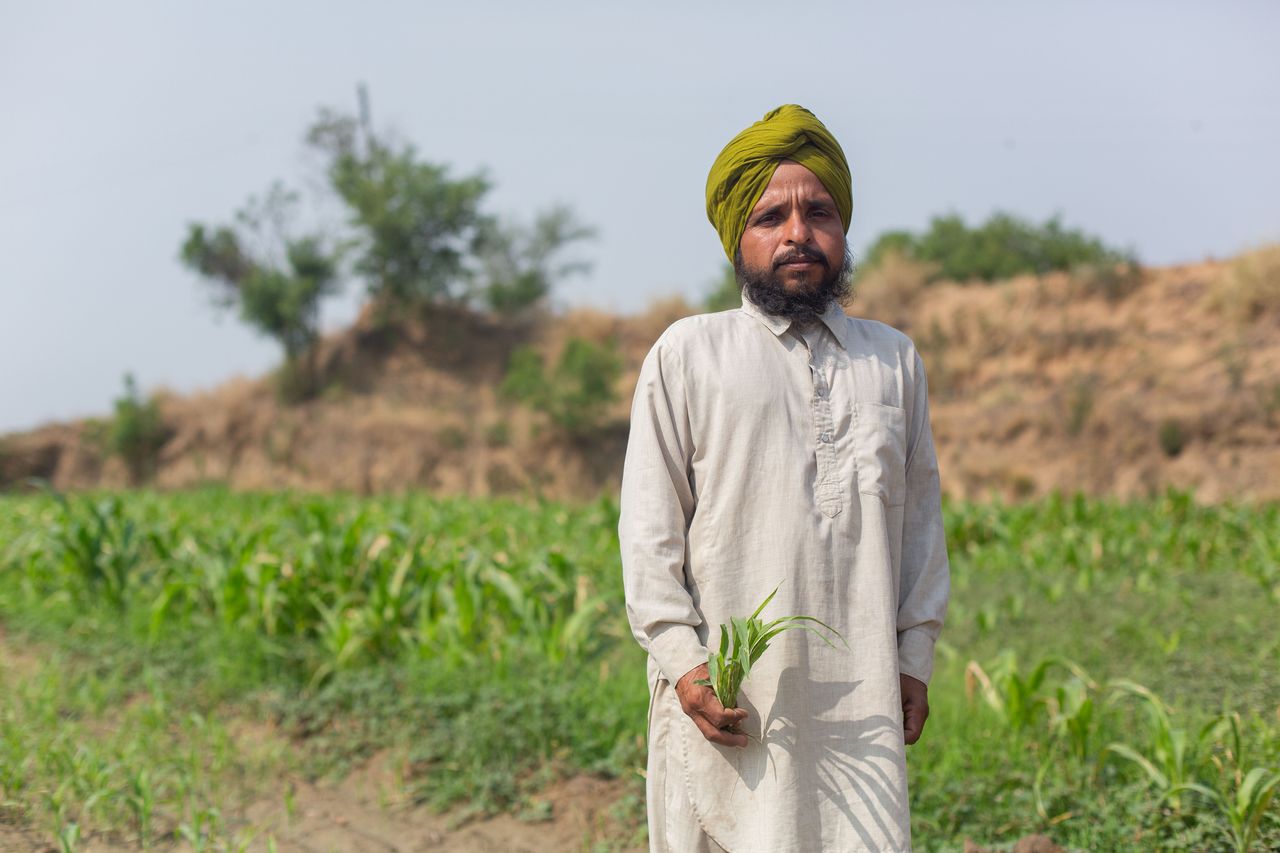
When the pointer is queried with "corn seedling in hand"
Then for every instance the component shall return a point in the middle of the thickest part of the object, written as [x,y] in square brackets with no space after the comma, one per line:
[743,641]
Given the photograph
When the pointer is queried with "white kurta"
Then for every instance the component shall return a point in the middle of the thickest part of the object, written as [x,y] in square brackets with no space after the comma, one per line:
[761,452]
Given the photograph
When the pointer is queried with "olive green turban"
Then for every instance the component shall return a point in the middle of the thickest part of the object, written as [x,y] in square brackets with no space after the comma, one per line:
[746,165]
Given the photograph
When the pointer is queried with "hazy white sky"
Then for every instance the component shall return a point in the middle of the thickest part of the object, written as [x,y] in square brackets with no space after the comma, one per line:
[1153,124]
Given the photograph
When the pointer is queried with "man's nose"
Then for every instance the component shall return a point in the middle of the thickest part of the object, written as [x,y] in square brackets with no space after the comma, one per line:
[797,229]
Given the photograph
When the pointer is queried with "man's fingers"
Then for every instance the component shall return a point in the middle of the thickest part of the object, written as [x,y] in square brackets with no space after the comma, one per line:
[715,735]
[721,717]
[915,707]
[913,719]
[911,731]
[710,716]
[705,703]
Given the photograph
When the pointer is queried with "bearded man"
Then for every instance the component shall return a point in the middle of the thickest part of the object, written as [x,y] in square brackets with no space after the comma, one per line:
[783,442]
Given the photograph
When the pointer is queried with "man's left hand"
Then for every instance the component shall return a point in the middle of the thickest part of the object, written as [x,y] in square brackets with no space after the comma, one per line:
[915,707]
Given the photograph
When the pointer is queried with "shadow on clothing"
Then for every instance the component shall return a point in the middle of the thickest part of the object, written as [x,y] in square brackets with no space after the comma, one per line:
[855,761]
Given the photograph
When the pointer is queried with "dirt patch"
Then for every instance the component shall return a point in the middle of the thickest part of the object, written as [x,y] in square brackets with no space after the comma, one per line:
[363,814]
[15,839]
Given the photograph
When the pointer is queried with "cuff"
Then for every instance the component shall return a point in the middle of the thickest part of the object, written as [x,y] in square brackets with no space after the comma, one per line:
[677,650]
[915,654]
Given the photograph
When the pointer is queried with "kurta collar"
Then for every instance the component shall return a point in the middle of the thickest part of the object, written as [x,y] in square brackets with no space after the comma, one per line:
[834,317]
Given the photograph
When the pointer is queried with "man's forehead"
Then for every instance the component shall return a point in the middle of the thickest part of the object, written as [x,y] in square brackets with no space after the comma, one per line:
[788,177]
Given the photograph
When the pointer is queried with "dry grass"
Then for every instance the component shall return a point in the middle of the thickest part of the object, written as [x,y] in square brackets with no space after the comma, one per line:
[1250,286]
[890,290]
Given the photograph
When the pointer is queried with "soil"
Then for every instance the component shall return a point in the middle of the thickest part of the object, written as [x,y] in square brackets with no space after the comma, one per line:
[356,817]
[363,814]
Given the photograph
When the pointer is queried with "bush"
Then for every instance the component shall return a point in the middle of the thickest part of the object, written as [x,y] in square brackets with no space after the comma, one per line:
[1080,396]
[1270,403]
[1002,247]
[1111,281]
[295,380]
[137,432]
[1235,361]
[498,434]
[1172,438]
[452,437]
[576,395]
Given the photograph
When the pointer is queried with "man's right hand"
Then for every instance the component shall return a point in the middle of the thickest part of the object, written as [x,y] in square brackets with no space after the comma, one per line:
[699,701]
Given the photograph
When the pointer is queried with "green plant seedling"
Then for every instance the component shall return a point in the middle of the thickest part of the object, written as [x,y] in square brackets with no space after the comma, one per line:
[1245,810]
[743,641]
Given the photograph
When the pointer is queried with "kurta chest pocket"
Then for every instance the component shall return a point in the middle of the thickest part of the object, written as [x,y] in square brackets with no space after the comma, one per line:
[880,448]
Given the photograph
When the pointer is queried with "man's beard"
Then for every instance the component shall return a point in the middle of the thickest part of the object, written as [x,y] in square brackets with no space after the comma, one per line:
[804,305]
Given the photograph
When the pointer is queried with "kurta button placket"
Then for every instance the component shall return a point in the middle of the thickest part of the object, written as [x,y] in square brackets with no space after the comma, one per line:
[827,492]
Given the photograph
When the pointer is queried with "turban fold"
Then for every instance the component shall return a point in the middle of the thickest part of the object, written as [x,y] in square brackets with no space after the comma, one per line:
[745,166]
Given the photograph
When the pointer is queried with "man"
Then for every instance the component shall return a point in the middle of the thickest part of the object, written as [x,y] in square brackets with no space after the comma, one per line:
[783,442]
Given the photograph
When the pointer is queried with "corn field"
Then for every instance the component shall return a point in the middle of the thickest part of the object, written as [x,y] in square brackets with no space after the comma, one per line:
[1109,674]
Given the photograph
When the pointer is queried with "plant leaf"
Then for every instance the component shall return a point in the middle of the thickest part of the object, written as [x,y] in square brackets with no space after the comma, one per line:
[767,600]
[1128,752]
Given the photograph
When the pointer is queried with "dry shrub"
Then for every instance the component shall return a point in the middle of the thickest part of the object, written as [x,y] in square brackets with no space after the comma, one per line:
[665,310]
[588,324]
[1110,281]
[888,291]
[1250,287]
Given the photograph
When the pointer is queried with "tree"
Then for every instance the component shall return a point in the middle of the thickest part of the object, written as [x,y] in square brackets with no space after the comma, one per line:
[416,226]
[418,236]
[423,236]
[276,280]
[518,265]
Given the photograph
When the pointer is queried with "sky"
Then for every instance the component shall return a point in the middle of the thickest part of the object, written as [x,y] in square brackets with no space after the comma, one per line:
[1154,125]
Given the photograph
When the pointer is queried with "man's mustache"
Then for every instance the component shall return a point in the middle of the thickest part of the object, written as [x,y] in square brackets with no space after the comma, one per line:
[802,253]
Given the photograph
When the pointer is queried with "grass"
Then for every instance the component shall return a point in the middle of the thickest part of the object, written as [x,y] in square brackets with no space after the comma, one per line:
[486,640]
[1250,287]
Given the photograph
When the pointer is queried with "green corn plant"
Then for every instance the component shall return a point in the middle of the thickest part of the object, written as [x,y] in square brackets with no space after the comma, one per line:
[1244,807]
[69,837]
[102,550]
[743,641]
[1071,715]
[1071,722]
[1244,799]
[1173,756]
[1013,697]
[141,801]
[341,633]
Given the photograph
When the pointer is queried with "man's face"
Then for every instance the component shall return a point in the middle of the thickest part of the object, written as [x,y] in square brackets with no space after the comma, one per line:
[793,259]
[794,232]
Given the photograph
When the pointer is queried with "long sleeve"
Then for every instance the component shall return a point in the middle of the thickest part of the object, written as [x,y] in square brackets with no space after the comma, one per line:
[657,504]
[925,579]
